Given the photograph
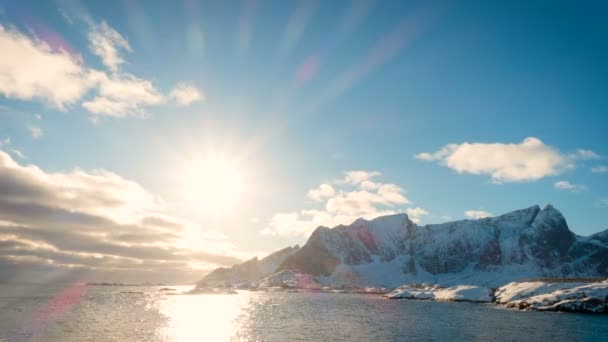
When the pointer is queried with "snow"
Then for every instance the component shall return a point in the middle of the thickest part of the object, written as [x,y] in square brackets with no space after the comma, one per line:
[289,279]
[392,250]
[555,296]
[460,293]
[465,293]
[486,252]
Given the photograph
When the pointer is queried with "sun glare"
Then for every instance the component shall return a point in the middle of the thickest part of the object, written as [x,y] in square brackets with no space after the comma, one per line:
[213,184]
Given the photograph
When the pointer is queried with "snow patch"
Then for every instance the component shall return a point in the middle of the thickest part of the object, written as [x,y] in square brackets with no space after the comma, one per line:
[460,293]
[555,296]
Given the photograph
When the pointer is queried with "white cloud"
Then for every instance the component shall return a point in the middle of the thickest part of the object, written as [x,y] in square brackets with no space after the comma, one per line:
[184,94]
[30,69]
[322,192]
[585,155]
[358,176]
[120,95]
[529,160]
[600,169]
[477,214]
[106,43]
[415,214]
[344,201]
[565,185]
[6,143]
[36,132]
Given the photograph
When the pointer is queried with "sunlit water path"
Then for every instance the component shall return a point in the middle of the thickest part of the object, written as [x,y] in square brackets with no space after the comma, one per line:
[106,313]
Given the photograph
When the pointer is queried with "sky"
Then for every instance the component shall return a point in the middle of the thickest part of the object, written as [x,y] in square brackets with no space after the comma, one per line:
[155,140]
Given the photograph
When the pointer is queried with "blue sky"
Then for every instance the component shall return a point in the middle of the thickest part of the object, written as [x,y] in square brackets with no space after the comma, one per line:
[288,95]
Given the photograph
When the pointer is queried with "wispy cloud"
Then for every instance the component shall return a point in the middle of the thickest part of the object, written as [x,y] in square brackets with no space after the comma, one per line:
[6,145]
[35,132]
[107,44]
[529,160]
[357,194]
[565,185]
[477,214]
[184,94]
[600,169]
[121,95]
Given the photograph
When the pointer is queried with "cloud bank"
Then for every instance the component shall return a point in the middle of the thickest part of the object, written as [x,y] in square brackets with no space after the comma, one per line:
[100,225]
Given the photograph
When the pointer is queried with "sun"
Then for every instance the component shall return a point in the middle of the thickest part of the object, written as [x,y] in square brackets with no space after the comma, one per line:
[213,184]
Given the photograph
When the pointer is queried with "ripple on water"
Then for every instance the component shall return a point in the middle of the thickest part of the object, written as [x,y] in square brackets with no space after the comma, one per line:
[113,314]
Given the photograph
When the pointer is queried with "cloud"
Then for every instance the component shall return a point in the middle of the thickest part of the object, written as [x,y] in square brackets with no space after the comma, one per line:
[120,95]
[357,177]
[477,214]
[30,69]
[344,201]
[585,155]
[529,160]
[6,145]
[600,169]
[36,132]
[98,222]
[415,214]
[565,185]
[106,43]
[322,192]
[184,94]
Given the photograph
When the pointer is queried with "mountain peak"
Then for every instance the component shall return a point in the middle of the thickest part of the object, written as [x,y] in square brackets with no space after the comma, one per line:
[392,250]
[548,239]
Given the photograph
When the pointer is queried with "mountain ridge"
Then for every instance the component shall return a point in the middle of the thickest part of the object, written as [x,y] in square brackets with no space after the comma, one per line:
[392,250]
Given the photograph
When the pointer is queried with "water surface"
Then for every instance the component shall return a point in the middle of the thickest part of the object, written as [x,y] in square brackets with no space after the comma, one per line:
[98,313]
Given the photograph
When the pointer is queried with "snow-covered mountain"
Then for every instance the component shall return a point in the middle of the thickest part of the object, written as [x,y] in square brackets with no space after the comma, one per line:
[250,271]
[392,250]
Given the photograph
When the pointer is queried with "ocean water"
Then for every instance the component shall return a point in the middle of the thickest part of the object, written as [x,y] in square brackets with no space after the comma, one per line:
[107,313]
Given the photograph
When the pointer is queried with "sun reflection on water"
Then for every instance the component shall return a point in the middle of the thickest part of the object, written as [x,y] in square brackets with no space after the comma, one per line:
[204,317]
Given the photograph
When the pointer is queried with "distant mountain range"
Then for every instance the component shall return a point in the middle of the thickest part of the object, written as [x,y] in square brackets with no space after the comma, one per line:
[392,250]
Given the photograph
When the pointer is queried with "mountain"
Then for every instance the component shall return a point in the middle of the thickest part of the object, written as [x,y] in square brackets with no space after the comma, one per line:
[392,250]
[250,271]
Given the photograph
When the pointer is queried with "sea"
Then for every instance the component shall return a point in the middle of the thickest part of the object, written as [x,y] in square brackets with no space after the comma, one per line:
[79,312]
